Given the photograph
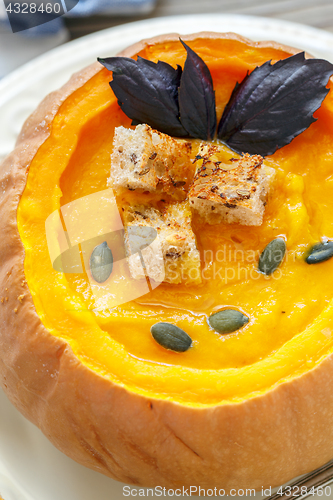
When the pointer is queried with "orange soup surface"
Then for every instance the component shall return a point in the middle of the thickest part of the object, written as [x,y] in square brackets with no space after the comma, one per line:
[290,312]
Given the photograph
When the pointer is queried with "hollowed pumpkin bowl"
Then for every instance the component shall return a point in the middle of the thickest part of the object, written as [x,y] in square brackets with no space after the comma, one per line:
[244,410]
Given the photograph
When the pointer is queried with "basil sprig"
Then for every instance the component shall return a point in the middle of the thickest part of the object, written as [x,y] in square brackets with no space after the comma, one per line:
[197,97]
[274,104]
[174,101]
[266,111]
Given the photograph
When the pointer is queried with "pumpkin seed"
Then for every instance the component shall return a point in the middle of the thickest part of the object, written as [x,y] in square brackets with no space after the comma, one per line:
[101,262]
[227,321]
[272,256]
[320,252]
[171,337]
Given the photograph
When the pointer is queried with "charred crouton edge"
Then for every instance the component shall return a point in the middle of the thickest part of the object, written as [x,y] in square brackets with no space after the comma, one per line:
[234,193]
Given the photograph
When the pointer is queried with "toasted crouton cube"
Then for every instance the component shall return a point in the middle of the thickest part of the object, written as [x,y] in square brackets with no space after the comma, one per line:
[148,160]
[232,193]
[175,243]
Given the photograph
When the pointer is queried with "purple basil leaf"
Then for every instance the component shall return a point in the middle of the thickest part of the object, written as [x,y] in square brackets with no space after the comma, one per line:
[274,104]
[197,97]
[147,92]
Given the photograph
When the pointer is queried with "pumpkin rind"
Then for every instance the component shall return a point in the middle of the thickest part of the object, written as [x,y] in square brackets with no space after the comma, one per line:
[262,441]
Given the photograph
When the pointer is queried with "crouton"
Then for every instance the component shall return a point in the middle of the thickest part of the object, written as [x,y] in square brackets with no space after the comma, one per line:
[173,256]
[235,192]
[148,160]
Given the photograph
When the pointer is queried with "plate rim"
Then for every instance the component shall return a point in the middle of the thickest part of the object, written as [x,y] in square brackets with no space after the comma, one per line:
[94,39]
[13,82]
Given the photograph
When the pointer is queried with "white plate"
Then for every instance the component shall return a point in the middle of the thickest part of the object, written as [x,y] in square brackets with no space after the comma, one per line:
[30,467]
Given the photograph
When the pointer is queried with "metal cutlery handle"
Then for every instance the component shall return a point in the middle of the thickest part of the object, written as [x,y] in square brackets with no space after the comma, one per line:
[306,485]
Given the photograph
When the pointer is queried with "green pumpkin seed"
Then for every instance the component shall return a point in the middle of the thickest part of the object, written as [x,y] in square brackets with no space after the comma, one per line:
[101,262]
[227,321]
[272,256]
[171,337]
[320,252]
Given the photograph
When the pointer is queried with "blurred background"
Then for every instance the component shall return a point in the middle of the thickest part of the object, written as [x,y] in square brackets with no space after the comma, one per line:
[317,13]
[87,16]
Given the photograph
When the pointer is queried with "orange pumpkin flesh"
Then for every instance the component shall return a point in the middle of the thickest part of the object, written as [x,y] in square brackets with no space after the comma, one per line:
[222,380]
[120,343]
